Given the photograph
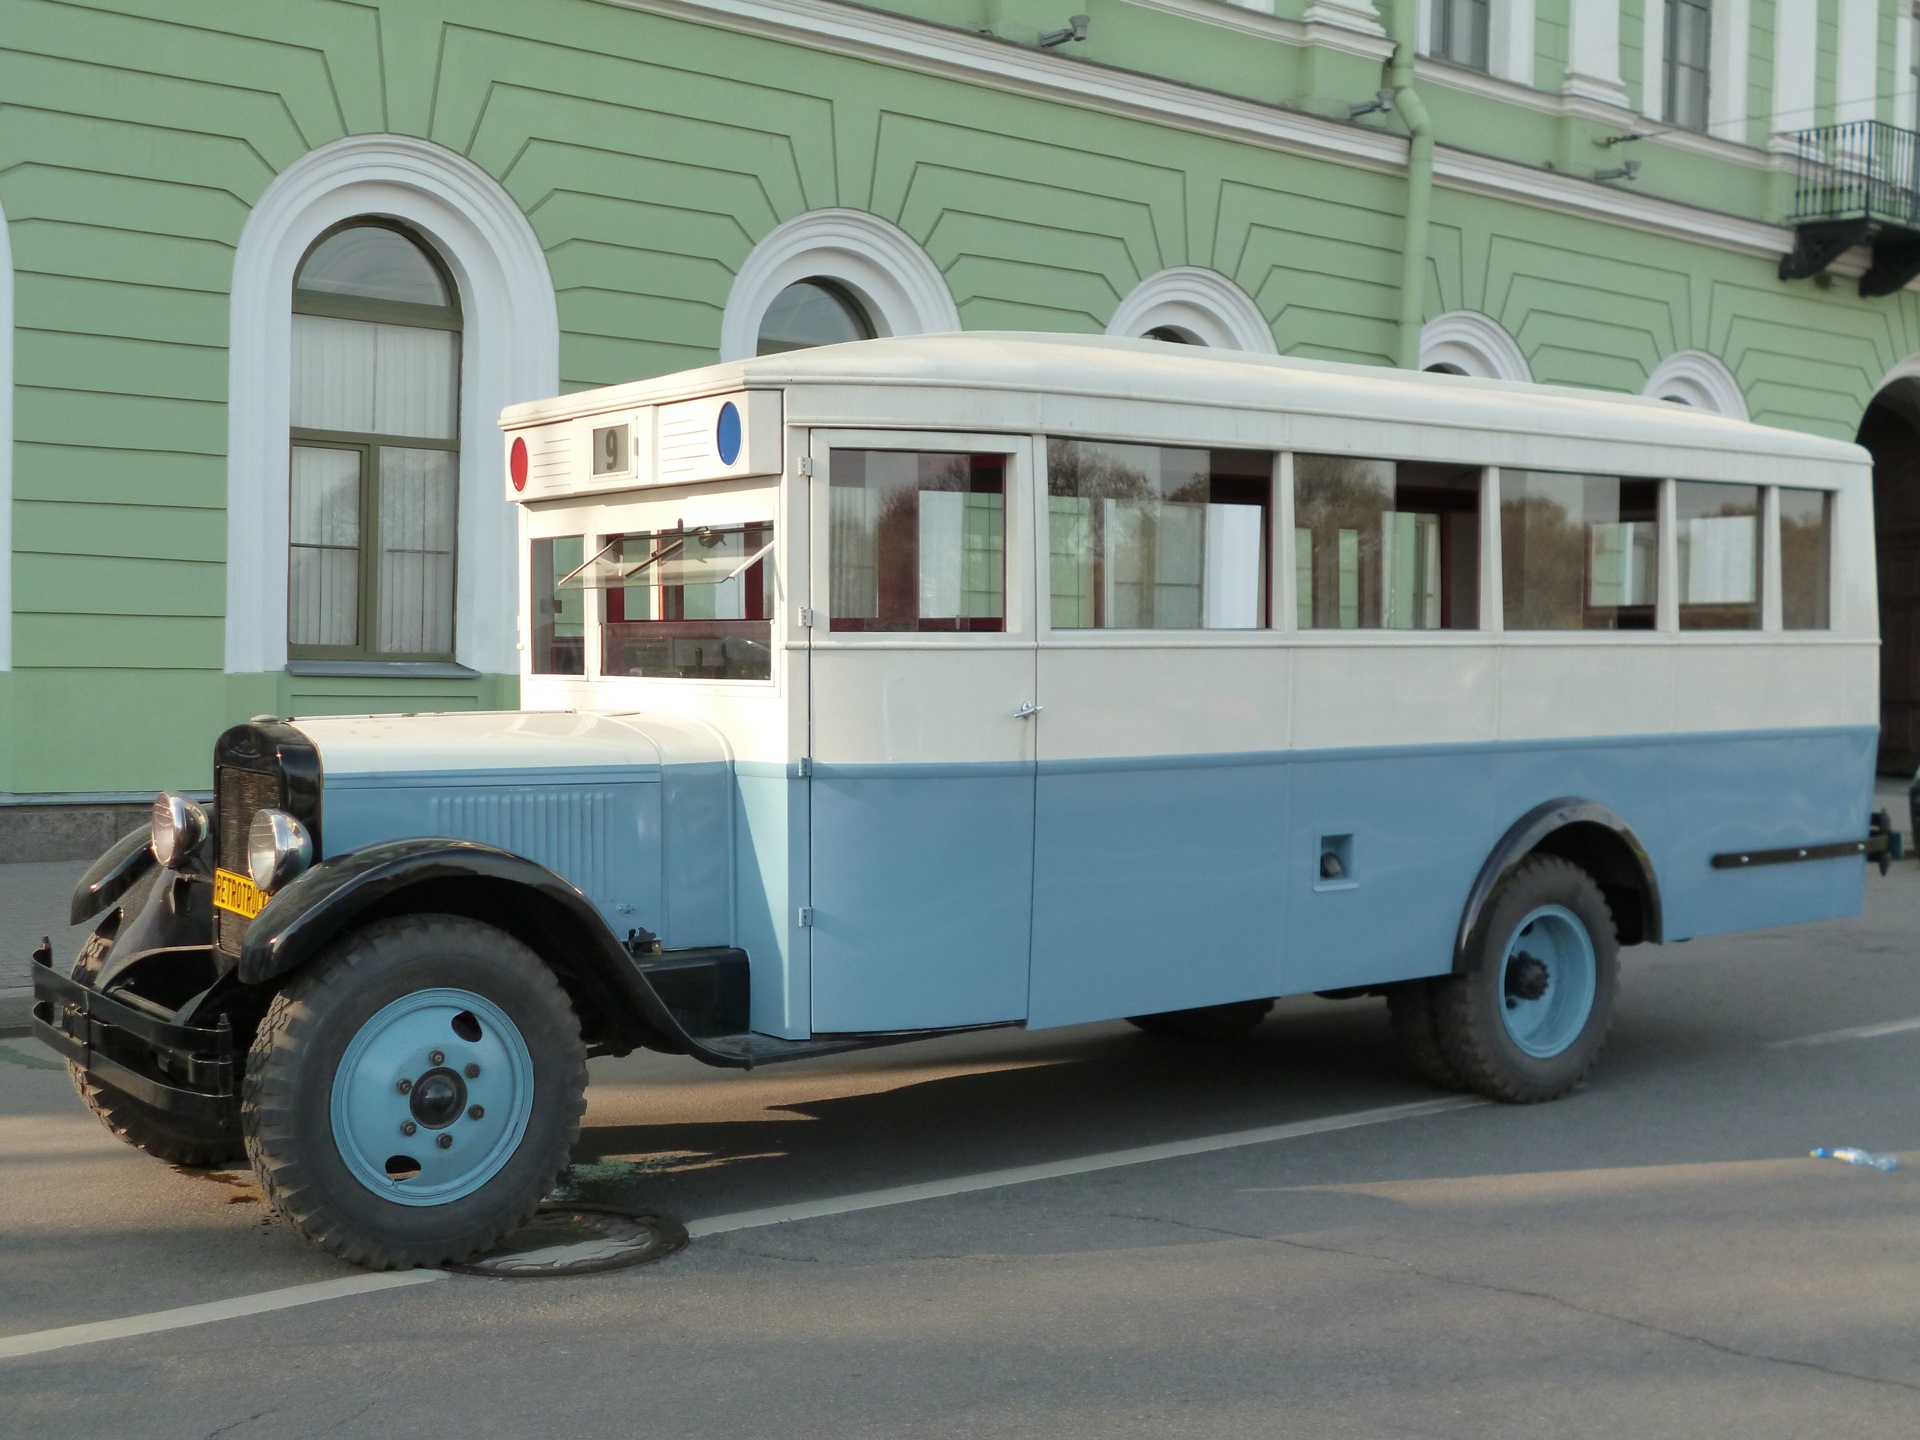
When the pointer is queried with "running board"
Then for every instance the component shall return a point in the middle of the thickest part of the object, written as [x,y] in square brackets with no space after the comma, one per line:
[705,996]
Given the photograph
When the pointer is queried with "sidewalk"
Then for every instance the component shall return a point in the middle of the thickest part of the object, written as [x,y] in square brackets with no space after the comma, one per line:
[33,902]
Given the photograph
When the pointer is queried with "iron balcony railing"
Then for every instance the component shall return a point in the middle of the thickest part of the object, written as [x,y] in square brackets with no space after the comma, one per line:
[1860,170]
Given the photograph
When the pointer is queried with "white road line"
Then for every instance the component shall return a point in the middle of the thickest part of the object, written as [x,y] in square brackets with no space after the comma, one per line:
[1056,1169]
[1858,1032]
[38,1341]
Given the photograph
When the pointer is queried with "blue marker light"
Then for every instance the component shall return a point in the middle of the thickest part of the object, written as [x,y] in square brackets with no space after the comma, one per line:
[726,435]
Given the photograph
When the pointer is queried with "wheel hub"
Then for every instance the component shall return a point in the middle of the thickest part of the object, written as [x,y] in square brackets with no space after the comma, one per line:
[438,1097]
[432,1096]
[1526,978]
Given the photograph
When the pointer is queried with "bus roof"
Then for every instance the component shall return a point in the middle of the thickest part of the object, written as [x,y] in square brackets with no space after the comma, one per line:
[1159,372]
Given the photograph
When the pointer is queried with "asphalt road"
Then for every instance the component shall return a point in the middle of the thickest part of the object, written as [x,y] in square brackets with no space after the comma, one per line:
[1655,1255]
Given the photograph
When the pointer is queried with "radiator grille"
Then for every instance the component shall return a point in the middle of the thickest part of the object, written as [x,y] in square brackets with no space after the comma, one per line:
[237,796]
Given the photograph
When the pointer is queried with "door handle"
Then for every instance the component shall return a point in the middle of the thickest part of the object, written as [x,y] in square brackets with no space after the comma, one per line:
[1028,711]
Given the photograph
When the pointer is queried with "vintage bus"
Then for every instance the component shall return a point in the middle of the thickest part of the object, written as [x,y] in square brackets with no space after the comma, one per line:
[895,688]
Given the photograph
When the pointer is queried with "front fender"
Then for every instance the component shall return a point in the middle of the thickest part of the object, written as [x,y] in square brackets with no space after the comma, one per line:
[304,917]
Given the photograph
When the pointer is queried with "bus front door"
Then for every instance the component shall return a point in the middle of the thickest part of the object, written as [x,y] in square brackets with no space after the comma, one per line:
[921,739]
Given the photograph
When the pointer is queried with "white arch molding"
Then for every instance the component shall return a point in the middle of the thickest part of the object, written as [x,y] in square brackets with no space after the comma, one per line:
[510,351]
[901,289]
[1202,305]
[1466,342]
[1697,379]
[6,445]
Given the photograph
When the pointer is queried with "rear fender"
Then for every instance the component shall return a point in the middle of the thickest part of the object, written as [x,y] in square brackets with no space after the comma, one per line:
[1593,837]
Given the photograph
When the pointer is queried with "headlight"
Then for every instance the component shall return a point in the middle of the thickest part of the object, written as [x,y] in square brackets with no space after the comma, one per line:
[179,828]
[278,848]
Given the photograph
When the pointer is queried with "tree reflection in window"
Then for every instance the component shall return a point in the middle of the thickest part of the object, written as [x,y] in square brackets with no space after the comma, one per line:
[1578,552]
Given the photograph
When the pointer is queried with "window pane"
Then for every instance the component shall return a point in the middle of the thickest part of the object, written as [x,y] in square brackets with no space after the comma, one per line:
[1806,551]
[359,378]
[918,541]
[812,312]
[1578,552]
[1717,545]
[1385,545]
[375,262]
[558,617]
[323,554]
[418,490]
[697,631]
[1147,537]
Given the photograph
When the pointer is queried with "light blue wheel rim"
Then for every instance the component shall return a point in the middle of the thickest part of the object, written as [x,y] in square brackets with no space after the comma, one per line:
[1545,1026]
[369,1110]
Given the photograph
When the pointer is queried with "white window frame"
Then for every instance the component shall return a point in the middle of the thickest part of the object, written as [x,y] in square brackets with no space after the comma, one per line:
[510,353]
[1203,305]
[1475,343]
[1701,380]
[878,263]
[6,446]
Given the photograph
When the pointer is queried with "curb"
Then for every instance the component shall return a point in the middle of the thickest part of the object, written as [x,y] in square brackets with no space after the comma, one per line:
[16,1010]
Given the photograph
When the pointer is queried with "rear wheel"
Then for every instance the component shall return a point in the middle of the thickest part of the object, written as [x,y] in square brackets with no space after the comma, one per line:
[1528,1019]
[412,1096]
[1207,1022]
[163,1136]
[1410,1016]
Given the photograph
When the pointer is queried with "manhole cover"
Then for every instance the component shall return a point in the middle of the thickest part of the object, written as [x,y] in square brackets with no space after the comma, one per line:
[578,1240]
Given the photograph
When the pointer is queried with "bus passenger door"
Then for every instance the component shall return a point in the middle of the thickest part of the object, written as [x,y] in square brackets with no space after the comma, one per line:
[921,738]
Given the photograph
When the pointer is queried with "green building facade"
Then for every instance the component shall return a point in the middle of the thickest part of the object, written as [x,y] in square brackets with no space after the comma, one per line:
[610,189]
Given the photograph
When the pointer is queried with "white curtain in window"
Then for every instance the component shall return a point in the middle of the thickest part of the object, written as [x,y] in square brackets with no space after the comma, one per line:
[1235,575]
[323,575]
[418,495]
[368,379]
[1717,554]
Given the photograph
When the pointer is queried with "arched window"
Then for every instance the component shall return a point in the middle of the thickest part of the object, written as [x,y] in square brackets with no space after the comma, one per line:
[1699,381]
[833,275]
[1465,342]
[1190,305]
[373,499]
[814,311]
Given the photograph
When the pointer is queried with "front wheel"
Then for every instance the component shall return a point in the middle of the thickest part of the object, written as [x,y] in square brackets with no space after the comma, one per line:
[412,1096]
[1528,1019]
[162,1135]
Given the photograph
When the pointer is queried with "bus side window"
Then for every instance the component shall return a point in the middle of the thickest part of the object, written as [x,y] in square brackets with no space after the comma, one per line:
[1385,545]
[557,618]
[1717,555]
[1806,559]
[918,541]
[1578,552]
[1157,537]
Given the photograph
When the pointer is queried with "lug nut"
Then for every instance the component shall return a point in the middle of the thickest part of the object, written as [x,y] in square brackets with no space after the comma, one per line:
[407,1127]
[445,1142]
[437,1057]
[473,1072]
[405,1087]
[475,1112]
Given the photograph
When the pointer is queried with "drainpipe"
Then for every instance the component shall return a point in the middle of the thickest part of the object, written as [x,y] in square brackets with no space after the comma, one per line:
[1413,114]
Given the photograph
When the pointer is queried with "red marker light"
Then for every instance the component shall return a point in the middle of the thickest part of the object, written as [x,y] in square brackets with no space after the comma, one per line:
[517,462]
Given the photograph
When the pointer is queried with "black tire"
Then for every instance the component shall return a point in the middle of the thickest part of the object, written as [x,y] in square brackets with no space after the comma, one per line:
[1410,1018]
[163,1136]
[286,1101]
[1469,1010]
[1207,1022]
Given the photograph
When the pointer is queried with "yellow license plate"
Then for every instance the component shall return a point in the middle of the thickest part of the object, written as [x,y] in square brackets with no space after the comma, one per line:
[237,893]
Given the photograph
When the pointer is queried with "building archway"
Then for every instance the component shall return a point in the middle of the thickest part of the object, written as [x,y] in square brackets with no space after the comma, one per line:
[1890,431]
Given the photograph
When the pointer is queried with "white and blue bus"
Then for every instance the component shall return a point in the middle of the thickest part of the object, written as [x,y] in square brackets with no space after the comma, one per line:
[901,687]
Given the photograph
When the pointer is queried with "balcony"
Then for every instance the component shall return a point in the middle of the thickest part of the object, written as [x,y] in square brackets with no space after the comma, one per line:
[1856,184]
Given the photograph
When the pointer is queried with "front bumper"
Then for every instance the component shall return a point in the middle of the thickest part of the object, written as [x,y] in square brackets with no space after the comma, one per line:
[184,1070]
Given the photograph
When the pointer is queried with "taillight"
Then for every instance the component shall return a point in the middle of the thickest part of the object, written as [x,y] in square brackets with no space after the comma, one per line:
[517,462]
